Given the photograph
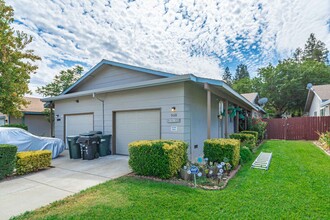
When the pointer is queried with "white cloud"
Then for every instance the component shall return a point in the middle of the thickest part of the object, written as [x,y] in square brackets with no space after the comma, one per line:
[163,35]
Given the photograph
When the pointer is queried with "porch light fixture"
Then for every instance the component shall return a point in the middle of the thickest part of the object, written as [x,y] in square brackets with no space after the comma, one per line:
[173,109]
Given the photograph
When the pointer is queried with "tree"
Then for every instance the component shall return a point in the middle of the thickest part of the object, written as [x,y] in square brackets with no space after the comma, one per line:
[285,84]
[227,76]
[245,85]
[15,64]
[241,72]
[61,82]
[315,50]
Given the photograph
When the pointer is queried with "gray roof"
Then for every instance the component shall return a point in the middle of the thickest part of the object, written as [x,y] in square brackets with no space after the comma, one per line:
[251,97]
[323,91]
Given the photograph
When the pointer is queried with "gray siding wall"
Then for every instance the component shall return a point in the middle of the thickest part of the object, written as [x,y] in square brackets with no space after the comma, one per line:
[196,116]
[108,76]
[163,97]
[38,125]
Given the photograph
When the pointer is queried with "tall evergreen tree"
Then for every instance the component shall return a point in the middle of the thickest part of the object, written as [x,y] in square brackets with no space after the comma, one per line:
[241,72]
[315,50]
[16,64]
[227,76]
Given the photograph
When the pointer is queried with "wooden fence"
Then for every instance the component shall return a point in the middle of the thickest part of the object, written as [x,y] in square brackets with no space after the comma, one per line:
[298,128]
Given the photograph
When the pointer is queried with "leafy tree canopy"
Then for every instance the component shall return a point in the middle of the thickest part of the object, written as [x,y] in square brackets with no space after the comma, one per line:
[61,82]
[15,64]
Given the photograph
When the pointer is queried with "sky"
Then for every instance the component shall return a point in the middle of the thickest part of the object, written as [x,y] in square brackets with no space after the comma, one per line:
[201,37]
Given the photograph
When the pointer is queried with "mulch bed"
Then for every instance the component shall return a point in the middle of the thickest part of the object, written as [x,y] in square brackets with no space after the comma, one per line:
[182,182]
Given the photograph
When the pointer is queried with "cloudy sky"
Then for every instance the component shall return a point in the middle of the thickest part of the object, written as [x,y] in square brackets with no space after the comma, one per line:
[192,36]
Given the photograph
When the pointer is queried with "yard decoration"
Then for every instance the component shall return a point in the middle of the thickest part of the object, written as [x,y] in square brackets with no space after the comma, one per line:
[213,172]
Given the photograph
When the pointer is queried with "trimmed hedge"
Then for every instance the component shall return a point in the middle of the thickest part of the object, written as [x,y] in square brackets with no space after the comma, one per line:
[254,133]
[246,154]
[159,158]
[7,159]
[247,140]
[217,149]
[23,126]
[30,161]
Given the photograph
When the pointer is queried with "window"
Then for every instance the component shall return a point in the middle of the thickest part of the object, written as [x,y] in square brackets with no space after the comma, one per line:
[322,112]
[315,113]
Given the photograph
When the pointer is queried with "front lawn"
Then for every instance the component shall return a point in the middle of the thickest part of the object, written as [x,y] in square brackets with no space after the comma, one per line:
[297,186]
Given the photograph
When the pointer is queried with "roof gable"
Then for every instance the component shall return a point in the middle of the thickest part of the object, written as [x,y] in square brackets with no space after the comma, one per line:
[103,63]
[322,91]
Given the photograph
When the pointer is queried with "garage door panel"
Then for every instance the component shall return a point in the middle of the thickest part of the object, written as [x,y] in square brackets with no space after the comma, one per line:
[77,124]
[136,125]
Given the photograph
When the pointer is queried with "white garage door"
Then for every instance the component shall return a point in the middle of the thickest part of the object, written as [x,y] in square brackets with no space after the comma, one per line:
[136,125]
[77,124]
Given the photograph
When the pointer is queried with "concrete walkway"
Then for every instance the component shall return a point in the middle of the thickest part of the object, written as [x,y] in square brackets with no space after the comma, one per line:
[32,191]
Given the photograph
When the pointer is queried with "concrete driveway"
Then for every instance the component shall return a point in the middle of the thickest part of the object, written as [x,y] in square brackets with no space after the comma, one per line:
[69,176]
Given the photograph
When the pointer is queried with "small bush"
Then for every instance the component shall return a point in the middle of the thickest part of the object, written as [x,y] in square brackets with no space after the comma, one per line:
[259,126]
[246,154]
[218,149]
[23,126]
[159,158]
[324,139]
[7,159]
[247,140]
[254,133]
[30,161]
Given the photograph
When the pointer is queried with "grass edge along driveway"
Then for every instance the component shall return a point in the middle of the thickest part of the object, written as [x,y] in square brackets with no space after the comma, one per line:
[297,186]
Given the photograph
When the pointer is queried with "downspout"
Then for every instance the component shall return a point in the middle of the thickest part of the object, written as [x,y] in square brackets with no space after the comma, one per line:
[102,111]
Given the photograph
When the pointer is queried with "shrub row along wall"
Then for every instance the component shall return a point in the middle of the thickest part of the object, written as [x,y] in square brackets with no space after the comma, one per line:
[247,140]
[31,161]
[217,149]
[159,158]
[7,159]
[254,133]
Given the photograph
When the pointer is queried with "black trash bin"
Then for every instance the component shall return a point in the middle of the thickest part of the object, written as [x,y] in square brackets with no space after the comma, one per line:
[88,146]
[105,145]
[74,147]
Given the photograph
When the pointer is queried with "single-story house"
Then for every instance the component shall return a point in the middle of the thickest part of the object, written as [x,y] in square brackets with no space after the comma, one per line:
[318,101]
[134,103]
[33,116]
[253,97]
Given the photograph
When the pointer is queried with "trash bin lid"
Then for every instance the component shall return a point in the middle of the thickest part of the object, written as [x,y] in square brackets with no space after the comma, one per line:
[72,136]
[95,132]
[91,133]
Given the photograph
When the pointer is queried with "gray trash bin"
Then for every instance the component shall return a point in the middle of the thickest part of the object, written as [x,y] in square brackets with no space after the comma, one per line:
[88,146]
[74,147]
[105,145]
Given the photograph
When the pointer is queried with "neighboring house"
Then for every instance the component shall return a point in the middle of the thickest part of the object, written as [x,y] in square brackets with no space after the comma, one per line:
[253,98]
[134,103]
[318,101]
[33,116]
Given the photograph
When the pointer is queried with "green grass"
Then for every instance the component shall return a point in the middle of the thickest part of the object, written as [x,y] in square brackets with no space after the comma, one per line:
[297,186]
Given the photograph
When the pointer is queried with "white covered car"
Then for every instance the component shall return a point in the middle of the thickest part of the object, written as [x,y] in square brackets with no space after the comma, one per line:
[26,141]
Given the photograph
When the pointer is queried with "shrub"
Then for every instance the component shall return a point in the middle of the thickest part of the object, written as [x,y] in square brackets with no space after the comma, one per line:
[7,159]
[259,126]
[23,126]
[254,133]
[30,161]
[324,139]
[246,154]
[160,158]
[247,140]
[218,149]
